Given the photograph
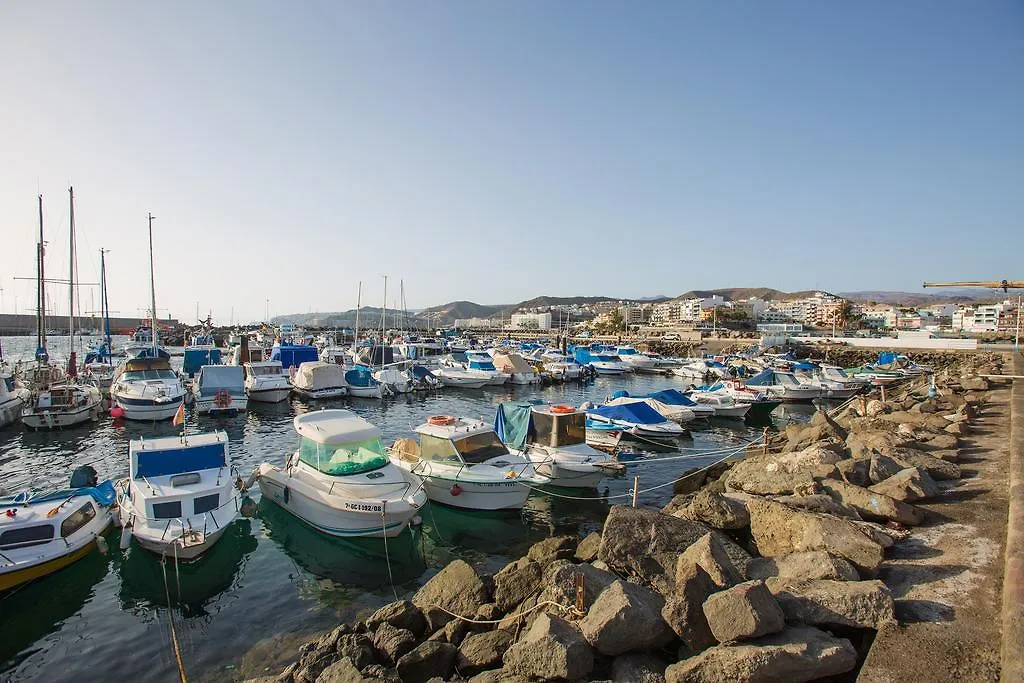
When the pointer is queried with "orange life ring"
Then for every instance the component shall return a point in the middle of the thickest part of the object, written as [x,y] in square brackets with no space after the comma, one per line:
[222,399]
[562,410]
[441,420]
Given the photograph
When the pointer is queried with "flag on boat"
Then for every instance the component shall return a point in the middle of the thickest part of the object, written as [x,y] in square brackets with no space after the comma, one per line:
[179,417]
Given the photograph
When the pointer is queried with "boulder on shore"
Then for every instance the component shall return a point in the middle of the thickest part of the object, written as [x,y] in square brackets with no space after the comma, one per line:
[550,549]
[795,655]
[716,510]
[747,610]
[626,618]
[707,552]
[456,588]
[910,484]
[552,648]
[798,567]
[638,668]
[586,551]
[430,660]
[481,651]
[871,504]
[516,582]
[684,607]
[779,530]
[860,604]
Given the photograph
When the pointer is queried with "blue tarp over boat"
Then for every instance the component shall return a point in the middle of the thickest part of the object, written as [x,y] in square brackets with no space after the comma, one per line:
[764,378]
[671,397]
[512,422]
[633,413]
[293,356]
[360,377]
[197,358]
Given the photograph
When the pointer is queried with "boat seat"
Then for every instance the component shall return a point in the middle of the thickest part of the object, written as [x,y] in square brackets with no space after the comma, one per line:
[407,450]
[185,479]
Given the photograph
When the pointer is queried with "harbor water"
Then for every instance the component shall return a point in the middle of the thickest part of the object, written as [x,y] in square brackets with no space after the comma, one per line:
[109,616]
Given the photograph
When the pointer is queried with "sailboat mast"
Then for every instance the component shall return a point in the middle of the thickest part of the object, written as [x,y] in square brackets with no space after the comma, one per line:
[359,298]
[71,287]
[40,291]
[104,306]
[152,285]
[383,320]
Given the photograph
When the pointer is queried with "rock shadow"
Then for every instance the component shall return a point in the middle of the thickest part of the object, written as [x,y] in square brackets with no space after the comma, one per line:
[923,611]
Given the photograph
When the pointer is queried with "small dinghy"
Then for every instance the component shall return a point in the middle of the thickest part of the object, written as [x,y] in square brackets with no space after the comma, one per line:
[463,463]
[340,480]
[180,495]
[609,423]
[43,532]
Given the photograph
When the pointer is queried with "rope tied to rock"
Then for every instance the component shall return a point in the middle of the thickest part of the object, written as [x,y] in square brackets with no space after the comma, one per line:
[571,610]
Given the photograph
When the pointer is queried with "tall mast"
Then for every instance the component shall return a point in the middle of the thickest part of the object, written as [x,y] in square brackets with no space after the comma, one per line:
[104,306]
[71,288]
[383,320]
[40,291]
[359,298]
[152,285]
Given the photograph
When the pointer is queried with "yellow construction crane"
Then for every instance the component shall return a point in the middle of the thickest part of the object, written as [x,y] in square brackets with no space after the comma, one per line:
[1000,284]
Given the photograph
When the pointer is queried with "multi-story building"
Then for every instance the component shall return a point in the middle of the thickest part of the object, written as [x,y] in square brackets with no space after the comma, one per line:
[476,323]
[631,315]
[530,321]
[666,314]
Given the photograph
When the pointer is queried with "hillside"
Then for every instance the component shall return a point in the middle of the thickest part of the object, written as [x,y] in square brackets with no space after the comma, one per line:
[736,293]
[937,296]
[454,310]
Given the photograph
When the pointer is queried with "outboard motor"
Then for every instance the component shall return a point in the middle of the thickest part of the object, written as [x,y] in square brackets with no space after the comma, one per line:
[84,476]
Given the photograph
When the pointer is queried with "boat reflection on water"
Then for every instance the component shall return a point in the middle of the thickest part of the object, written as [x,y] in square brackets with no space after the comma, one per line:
[797,412]
[482,531]
[192,585]
[32,611]
[564,511]
[359,562]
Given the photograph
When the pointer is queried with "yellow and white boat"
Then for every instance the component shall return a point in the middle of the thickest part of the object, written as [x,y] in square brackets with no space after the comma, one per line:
[41,533]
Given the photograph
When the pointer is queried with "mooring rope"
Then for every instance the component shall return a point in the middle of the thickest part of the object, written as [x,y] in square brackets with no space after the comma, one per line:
[170,618]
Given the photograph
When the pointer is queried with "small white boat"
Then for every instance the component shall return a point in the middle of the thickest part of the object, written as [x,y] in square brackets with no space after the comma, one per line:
[12,398]
[266,381]
[361,383]
[677,412]
[561,365]
[398,381]
[607,364]
[699,368]
[463,463]
[515,368]
[554,439]
[316,380]
[721,403]
[41,533]
[464,379]
[784,386]
[637,361]
[483,364]
[220,390]
[58,403]
[340,480]
[180,495]
[635,419]
[147,389]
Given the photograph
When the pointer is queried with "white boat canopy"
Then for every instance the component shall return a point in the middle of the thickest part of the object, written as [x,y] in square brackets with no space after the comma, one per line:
[335,427]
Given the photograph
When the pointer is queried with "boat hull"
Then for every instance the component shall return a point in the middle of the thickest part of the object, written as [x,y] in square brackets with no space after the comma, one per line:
[147,410]
[10,411]
[269,395]
[45,419]
[505,495]
[174,549]
[569,475]
[317,394]
[352,517]
[37,571]
[208,406]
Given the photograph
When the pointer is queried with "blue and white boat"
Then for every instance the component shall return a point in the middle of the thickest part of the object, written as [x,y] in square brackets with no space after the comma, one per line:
[146,389]
[637,361]
[670,403]
[180,495]
[784,386]
[220,390]
[607,424]
[362,384]
[604,362]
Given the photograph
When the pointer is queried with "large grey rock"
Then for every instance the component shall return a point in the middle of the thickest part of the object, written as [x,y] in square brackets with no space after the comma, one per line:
[747,610]
[559,582]
[855,470]
[862,604]
[797,567]
[516,582]
[779,530]
[819,502]
[552,648]
[708,553]
[863,443]
[795,655]
[761,475]
[380,674]
[684,606]
[551,549]
[481,651]
[498,676]
[819,429]
[643,544]
[626,618]
[937,468]
[401,614]
[638,668]
[716,510]
[910,484]
[430,659]
[391,642]
[871,504]
[881,468]
[342,671]
[455,588]
[586,551]
[357,647]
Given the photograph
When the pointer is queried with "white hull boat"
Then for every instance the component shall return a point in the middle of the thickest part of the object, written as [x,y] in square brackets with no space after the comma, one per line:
[340,481]
[465,379]
[266,382]
[60,406]
[398,381]
[180,496]
[220,390]
[319,380]
[146,389]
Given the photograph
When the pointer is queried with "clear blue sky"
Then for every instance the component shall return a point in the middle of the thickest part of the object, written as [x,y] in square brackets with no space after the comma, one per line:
[495,151]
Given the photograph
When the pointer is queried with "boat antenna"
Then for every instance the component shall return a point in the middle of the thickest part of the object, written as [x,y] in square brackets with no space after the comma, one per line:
[152,286]
[71,288]
[41,355]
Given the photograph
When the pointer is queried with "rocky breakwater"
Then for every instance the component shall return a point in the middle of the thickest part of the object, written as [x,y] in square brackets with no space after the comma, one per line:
[769,572]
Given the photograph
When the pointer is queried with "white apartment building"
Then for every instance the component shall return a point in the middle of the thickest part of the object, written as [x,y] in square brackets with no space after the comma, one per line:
[475,323]
[531,321]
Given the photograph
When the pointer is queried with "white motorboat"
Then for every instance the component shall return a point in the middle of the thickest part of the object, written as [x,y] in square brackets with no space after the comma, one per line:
[12,397]
[554,439]
[266,381]
[60,405]
[784,386]
[561,365]
[180,495]
[398,381]
[146,389]
[361,383]
[515,368]
[220,390]
[340,480]
[319,380]
[607,364]
[701,369]
[483,364]
[42,533]
[637,361]
[463,463]
[634,418]
[464,379]
[677,412]
[721,404]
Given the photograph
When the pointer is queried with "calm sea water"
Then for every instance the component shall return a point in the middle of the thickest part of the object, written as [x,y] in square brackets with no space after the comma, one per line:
[107,617]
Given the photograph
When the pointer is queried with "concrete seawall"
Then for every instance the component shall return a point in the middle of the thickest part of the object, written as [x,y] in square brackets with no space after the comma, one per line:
[1012,659]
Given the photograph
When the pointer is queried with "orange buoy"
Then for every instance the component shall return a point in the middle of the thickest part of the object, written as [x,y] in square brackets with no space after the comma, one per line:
[441,420]
[562,410]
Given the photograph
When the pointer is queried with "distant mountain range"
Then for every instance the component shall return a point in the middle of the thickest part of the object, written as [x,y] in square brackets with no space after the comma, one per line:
[447,314]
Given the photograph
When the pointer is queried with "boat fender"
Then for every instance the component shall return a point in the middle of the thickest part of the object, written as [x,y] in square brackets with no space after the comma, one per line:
[116,411]
[455,490]
[101,545]
[287,494]
[126,536]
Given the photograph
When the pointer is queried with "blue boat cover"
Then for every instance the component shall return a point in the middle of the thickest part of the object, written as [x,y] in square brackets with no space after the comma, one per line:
[670,397]
[582,355]
[762,379]
[513,422]
[178,460]
[103,493]
[633,413]
[804,366]
[293,356]
[420,372]
[197,358]
[361,377]
[887,358]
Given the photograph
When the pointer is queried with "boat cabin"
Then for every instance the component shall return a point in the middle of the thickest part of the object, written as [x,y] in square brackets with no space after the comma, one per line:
[446,440]
[339,443]
[29,526]
[174,475]
[138,369]
[555,427]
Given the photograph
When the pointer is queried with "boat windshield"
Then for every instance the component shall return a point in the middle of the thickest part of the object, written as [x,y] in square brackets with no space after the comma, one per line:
[481,365]
[786,379]
[343,459]
[627,351]
[835,373]
[480,447]
[561,430]
[137,375]
[266,370]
